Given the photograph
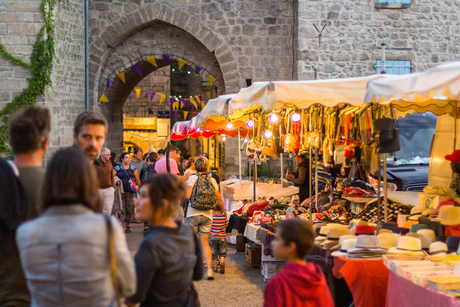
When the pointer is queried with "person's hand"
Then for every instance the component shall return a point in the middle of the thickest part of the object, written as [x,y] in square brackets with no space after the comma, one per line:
[118,182]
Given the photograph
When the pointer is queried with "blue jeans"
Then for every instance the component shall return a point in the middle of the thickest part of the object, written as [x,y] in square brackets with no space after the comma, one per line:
[218,247]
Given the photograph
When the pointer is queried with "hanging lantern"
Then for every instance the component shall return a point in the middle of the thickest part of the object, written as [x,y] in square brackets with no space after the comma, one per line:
[250,124]
[268,134]
[295,117]
[223,138]
[274,118]
[229,126]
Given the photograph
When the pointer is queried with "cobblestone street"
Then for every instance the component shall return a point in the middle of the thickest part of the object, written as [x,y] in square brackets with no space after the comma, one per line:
[240,286]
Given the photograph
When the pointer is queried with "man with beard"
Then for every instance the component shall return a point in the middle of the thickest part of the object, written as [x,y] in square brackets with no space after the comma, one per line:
[90,130]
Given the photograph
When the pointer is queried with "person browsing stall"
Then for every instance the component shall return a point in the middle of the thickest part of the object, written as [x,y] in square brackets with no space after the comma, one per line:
[300,177]
[298,283]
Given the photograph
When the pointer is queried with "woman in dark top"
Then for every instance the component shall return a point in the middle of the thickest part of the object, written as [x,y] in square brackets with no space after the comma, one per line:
[170,256]
[301,178]
[124,172]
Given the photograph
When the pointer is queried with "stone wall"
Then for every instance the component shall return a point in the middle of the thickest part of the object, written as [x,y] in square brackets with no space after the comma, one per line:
[20,21]
[426,33]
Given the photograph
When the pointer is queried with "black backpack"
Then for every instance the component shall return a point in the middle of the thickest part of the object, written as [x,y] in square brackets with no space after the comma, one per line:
[147,171]
[203,194]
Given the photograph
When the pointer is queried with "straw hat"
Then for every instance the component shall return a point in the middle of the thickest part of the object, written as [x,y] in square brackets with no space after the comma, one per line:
[322,234]
[344,247]
[368,243]
[442,204]
[427,233]
[418,211]
[333,237]
[385,231]
[448,215]
[408,245]
[343,238]
[388,241]
[438,249]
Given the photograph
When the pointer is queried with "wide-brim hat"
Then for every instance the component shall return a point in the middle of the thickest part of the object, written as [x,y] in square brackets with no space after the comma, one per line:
[322,234]
[367,243]
[419,211]
[342,238]
[364,230]
[442,204]
[388,241]
[408,245]
[345,246]
[438,249]
[334,235]
[448,216]
[427,233]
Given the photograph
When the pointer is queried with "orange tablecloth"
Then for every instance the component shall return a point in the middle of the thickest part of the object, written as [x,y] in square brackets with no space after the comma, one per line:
[367,280]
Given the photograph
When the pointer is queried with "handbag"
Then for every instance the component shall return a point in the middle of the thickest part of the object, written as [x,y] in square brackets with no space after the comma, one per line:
[131,182]
[386,135]
[113,260]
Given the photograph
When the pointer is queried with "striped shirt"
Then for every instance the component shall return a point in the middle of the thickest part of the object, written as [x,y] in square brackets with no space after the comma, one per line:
[219,224]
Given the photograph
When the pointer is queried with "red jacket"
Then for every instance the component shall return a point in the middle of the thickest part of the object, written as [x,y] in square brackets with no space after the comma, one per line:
[298,285]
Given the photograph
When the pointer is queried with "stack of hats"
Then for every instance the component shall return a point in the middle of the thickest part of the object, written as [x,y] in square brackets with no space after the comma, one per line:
[407,246]
[344,247]
[343,238]
[322,234]
[438,249]
[419,211]
[367,247]
[333,237]
[388,240]
[448,216]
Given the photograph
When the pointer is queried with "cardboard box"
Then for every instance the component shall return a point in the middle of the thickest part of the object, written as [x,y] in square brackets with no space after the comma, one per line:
[252,255]
[270,268]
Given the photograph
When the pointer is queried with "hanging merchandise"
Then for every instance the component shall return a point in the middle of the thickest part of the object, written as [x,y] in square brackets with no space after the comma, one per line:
[386,135]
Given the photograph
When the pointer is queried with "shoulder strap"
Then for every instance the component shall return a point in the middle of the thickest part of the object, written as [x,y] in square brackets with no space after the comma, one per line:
[113,259]
[124,170]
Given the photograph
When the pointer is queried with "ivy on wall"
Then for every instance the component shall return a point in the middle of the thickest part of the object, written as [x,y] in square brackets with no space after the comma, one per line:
[41,67]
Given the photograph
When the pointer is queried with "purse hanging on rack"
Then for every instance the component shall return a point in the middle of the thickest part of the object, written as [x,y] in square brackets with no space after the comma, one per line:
[386,135]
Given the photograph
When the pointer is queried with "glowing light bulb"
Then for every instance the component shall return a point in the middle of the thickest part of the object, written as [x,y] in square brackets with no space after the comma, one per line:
[268,134]
[223,138]
[229,126]
[250,124]
[197,129]
[295,117]
[274,118]
[246,140]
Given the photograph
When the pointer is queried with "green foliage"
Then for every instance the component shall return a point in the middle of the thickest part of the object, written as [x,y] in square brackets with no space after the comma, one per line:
[41,67]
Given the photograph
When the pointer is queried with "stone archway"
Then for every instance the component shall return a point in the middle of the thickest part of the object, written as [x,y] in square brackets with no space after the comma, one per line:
[136,141]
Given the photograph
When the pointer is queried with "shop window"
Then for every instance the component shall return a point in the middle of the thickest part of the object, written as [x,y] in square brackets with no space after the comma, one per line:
[392,4]
[394,67]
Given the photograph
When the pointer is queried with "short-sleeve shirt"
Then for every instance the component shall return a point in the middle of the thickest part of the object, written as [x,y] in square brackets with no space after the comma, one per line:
[123,177]
[160,166]
[192,212]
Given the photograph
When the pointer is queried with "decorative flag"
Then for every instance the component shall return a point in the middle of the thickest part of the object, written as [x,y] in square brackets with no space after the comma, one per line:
[152,94]
[152,61]
[121,76]
[194,104]
[185,115]
[109,82]
[201,97]
[181,63]
[138,92]
[137,69]
[181,104]
[198,69]
[103,98]
[172,100]
[162,97]
[176,113]
[203,105]
[197,99]
[166,57]
[211,79]
[195,114]
[209,95]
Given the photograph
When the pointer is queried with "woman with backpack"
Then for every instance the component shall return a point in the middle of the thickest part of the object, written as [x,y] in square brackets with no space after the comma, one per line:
[130,178]
[68,254]
[203,192]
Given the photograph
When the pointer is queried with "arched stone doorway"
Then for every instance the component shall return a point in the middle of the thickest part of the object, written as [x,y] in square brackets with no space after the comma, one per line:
[157,38]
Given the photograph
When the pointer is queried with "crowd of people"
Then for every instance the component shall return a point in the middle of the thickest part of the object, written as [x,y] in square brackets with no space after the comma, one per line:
[62,229]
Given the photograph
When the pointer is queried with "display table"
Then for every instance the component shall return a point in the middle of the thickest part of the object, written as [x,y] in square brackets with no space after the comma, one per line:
[367,280]
[404,293]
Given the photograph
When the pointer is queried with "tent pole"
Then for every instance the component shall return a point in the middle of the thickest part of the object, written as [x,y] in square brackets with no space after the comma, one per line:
[310,191]
[385,188]
[316,177]
[239,152]
[255,179]
[282,170]
[379,201]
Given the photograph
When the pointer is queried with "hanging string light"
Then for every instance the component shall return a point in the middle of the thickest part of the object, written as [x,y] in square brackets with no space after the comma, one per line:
[295,117]
[229,126]
[223,138]
[274,118]
[250,124]
[268,134]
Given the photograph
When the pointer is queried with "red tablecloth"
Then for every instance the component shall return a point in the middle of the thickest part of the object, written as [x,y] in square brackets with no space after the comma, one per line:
[367,280]
[404,293]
